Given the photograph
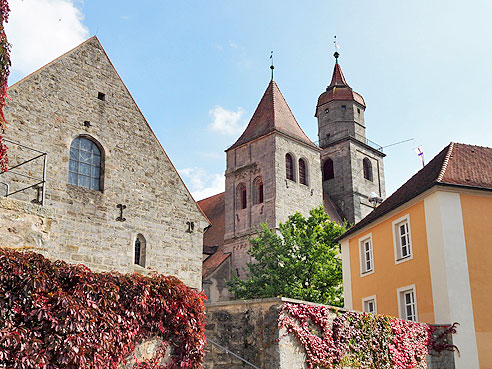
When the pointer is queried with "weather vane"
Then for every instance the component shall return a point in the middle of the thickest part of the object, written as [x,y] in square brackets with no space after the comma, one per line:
[337,47]
[271,66]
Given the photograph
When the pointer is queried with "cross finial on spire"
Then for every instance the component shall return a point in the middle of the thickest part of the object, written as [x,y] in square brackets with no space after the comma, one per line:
[337,46]
[272,66]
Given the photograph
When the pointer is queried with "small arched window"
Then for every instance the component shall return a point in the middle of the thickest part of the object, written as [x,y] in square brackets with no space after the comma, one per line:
[328,172]
[302,172]
[367,169]
[84,165]
[140,250]
[258,190]
[241,196]
[289,167]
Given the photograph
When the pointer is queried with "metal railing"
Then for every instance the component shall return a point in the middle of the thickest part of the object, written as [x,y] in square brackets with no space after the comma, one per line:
[233,354]
[324,142]
[32,181]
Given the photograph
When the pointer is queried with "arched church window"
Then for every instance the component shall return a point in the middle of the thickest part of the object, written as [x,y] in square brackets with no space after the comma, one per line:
[140,250]
[328,172]
[84,165]
[241,196]
[367,168]
[302,172]
[289,167]
[258,190]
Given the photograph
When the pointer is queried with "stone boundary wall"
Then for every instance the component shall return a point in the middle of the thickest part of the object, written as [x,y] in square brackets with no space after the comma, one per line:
[249,329]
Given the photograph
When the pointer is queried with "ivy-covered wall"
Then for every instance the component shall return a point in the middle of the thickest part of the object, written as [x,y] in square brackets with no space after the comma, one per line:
[290,334]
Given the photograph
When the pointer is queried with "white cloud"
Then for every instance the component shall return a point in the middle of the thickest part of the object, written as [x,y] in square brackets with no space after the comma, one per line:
[227,122]
[41,30]
[201,183]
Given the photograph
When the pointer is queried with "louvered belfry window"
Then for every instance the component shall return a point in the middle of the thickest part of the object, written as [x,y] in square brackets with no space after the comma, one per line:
[302,172]
[328,172]
[258,190]
[241,196]
[367,168]
[289,167]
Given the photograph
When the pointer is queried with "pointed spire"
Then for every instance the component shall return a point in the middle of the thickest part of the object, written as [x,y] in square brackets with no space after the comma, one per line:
[272,115]
[338,89]
[337,79]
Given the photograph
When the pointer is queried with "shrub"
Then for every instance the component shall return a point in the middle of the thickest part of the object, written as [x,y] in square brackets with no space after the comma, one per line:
[58,315]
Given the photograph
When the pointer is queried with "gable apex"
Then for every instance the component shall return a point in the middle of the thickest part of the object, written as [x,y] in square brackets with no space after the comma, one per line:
[94,44]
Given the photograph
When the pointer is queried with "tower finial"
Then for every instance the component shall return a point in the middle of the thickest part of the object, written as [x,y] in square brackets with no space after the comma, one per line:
[272,66]
[337,46]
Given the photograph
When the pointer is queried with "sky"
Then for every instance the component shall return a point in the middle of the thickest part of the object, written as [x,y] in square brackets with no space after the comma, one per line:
[197,69]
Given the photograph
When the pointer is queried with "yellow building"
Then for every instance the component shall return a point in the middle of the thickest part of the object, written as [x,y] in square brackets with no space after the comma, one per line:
[425,253]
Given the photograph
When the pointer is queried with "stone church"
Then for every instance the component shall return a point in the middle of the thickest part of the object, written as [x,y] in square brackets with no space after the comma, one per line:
[88,180]
[274,170]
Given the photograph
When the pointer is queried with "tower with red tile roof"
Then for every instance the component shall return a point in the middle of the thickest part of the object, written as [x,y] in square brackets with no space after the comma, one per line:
[272,172]
[352,165]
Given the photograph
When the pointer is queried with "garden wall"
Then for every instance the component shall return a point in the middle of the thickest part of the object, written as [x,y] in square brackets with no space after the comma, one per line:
[249,329]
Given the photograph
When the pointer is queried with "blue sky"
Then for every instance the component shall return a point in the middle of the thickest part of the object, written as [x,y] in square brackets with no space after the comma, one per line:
[198,69]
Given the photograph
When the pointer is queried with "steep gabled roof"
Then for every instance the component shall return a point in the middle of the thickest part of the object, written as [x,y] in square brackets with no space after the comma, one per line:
[457,164]
[272,115]
[94,42]
[214,209]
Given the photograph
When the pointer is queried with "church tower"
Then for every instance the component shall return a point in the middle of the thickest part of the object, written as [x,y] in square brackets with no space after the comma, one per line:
[272,172]
[352,165]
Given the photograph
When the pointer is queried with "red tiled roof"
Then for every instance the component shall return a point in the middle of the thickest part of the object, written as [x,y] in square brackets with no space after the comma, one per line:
[272,114]
[214,208]
[339,89]
[456,165]
[213,262]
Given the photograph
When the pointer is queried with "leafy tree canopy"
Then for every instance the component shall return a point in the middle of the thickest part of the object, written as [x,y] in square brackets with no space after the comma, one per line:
[301,261]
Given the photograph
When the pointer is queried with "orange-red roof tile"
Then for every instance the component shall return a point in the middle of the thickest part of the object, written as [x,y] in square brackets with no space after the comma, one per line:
[457,165]
[213,262]
[272,114]
[338,89]
[214,208]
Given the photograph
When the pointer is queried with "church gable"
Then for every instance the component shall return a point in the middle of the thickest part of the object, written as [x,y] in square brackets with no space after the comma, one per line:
[134,194]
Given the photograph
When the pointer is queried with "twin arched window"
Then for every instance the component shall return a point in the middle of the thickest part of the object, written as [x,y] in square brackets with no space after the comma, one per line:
[241,201]
[328,172]
[289,167]
[367,169]
[258,190]
[84,165]
[140,250]
[302,172]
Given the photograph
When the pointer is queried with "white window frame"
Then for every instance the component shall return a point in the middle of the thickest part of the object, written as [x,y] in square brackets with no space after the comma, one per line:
[366,300]
[401,301]
[396,239]
[362,255]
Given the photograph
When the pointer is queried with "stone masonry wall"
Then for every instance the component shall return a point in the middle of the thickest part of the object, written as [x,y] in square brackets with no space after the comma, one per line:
[25,226]
[292,196]
[349,189]
[249,329]
[47,111]
[244,165]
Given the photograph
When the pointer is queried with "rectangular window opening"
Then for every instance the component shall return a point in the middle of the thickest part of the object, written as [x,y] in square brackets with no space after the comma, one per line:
[408,305]
[369,305]
[366,255]
[101,96]
[402,239]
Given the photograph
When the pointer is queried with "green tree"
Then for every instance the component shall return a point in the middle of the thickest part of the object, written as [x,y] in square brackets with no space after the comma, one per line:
[301,261]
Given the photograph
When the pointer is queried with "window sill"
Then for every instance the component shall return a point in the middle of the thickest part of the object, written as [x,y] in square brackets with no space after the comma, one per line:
[363,274]
[402,260]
